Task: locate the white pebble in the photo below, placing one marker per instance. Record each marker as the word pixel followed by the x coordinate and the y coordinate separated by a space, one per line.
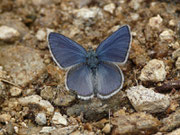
pixel 8 33
pixel 154 71
pixel 176 54
pixel 107 128
pixel 155 22
pixel 41 35
pixel 134 16
pixel 110 8
pixel 36 99
pixel 47 129
pixel 86 13
pixel 172 22
pixel 178 63
pixel 16 129
pixel 167 35
pixel 135 4
pixel 41 119
pixel 15 91
pixel 145 99
pixel 59 119
pixel 5 117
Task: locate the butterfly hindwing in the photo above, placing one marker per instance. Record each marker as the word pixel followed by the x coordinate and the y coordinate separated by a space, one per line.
pixel 116 47
pixel 79 79
pixel 65 51
pixel 109 79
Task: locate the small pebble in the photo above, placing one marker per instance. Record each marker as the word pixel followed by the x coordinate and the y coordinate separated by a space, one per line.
pixel 36 99
pixel 135 4
pixel 134 124
pixel 8 34
pixel 154 71
pixel 178 63
pixel 134 16
pixel 172 23
pixel 176 54
pixel 174 132
pixel 5 117
pixel 171 122
pixel 107 129
pixel 110 8
pixel 86 13
pixel 47 129
pixel 47 93
pixel 167 35
pixel 41 2
pixel 59 119
pixel 16 129
pixel 41 35
pixel 15 91
pixel 155 22
pixel 145 99
pixel 41 119
pixel 175 45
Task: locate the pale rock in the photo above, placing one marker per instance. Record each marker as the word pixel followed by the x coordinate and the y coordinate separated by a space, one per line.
pixel 114 28
pixel 167 35
pixel 41 2
pixel 175 45
pixel 47 93
pixel 15 91
pixel 36 99
pixel 135 4
pixel 134 16
pixel 86 13
pixel 172 23
pixel 134 124
pixel 178 63
pixel 5 117
pixel 171 122
pixel 110 8
pixel 41 118
pixel 176 54
pixel 154 71
pixel 65 130
pixel 59 119
pixel 107 128
pixel 2 72
pixel 175 132
pixel 145 99
pixel 8 33
pixel 47 129
pixel 155 22
pixel 16 129
pixel 41 35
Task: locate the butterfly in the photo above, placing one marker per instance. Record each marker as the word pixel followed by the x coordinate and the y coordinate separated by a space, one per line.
pixel 93 72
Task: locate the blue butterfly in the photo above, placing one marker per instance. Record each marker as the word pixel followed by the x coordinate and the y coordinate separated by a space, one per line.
pixel 92 73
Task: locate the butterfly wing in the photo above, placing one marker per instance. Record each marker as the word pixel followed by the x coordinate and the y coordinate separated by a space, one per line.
pixel 79 79
pixel 65 52
pixel 116 47
pixel 109 79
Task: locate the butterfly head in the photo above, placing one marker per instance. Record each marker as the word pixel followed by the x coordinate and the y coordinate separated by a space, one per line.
pixel 92 59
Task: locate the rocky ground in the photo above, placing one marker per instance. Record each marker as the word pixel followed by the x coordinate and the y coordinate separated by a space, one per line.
pixel 33 98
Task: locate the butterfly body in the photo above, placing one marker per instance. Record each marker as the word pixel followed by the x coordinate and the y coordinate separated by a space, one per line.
pixel 92 60
pixel 93 72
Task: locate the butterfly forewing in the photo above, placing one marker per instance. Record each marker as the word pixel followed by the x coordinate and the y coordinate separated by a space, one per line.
pixel 109 80
pixel 79 79
pixel 65 52
pixel 116 47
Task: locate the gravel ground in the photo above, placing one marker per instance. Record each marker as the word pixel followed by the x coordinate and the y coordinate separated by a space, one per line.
pixel 33 97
